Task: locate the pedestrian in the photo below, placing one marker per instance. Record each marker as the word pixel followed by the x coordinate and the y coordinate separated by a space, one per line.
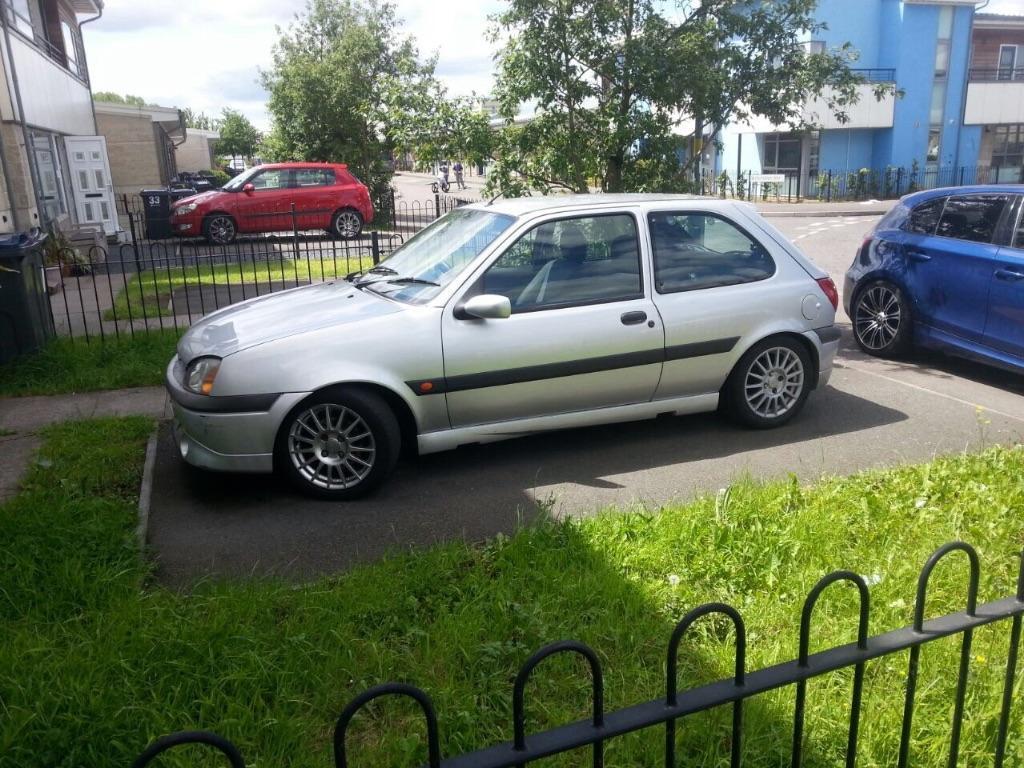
pixel 458 174
pixel 443 170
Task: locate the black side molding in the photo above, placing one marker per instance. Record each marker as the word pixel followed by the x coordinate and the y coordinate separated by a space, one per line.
pixel 829 334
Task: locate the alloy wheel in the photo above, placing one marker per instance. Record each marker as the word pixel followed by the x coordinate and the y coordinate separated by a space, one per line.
pixel 347 224
pixel 877 317
pixel 221 229
pixel 774 382
pixel 331 446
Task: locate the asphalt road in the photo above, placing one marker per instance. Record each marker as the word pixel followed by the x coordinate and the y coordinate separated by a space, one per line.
pixel 875 413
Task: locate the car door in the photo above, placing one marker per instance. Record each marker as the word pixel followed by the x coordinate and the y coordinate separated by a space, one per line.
pixel 313 197
pixel 714 283
pixel 267 207
pixel 1004 328
pixel 583 333
pixel 949 272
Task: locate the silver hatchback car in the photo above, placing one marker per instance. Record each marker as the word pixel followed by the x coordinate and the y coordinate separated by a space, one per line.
pixel 508 319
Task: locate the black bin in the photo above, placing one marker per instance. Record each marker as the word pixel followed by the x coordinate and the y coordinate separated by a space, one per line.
pixel 157 206
pixel 26 323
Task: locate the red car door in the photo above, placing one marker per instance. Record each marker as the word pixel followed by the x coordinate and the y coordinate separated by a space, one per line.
pixel 267 206
pixel 313 197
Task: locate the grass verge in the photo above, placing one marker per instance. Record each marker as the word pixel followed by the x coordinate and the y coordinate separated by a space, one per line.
pixel 76 365
pixel 151 293
pixel 95 661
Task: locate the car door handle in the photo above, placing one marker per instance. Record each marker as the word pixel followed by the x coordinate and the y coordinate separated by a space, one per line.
pixel 633 318
pixel 1009 274
pixel 918 255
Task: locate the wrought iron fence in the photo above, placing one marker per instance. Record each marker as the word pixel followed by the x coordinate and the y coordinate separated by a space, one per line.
pixel 675 705
pixel 169 282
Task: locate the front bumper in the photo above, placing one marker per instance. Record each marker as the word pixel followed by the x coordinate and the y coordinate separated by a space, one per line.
pixel 233 433
pixel 189 225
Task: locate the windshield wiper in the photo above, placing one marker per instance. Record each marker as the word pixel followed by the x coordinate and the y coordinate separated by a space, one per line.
pixel 412 281
pixel 379 269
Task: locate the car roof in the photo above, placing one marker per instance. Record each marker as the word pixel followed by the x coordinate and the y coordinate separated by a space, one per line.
pixel 301 164
pixel 525 206
pixel 972 189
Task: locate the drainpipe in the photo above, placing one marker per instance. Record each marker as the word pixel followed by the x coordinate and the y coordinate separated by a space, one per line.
pixel 92 104
pixel 21 115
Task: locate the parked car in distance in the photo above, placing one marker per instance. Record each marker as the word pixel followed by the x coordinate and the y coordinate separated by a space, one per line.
pixel 505 319
pixel 325 195
pixel 944 269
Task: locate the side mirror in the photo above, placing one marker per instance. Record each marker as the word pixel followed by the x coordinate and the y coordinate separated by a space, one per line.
pixel 248 188
pixel 486 307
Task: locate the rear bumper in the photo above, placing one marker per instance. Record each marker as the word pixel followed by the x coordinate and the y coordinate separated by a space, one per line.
pixel 827 342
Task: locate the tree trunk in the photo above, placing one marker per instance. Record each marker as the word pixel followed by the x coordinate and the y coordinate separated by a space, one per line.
pixel 613 174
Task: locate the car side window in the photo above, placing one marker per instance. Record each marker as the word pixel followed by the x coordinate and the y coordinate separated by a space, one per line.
pixel 313 177
pixel 585 260
pixel 971 217
pixel 1018 236
pixel 925 217
pixel 275 178
pixel 695 250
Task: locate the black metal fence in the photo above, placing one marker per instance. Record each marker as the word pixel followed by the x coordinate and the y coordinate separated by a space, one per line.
pixel 675 705
pixel 855 184
pixel 144 284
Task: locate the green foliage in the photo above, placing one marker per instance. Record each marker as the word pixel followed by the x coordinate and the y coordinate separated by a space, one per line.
pixel 336 70
pixel 238 136
pixel 74 365
pixel 621 86
pixel 422 119
pixel 200 120
pixel 219 177
pixel 97 660
pixel 110 97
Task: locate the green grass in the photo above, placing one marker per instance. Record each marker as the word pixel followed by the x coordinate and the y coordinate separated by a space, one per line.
pixel 77 365
pixel 148 293
pixel 96 660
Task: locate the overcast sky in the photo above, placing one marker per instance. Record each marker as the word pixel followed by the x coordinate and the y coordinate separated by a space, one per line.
pixel 206 54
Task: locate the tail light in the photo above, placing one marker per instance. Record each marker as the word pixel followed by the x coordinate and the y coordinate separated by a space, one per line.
pixel 829 289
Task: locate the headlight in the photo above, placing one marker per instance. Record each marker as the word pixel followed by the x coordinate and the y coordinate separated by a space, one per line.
pixel 181 210
pixel 201 373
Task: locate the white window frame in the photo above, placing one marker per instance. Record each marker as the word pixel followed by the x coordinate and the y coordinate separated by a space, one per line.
pixel 1012 69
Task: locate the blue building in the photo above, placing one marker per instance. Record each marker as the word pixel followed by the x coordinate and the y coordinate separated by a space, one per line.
pixel 960 74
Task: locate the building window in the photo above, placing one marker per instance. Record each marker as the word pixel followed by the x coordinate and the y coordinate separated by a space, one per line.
pixel 782 152
pixel 1008 153
pixel 937 108
pixel 73 54
pixel 19 15
pixel 815 46
pixel 1008 55
pixel 933 145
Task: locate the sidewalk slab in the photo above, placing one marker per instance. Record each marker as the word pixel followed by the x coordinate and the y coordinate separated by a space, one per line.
pixel 24 414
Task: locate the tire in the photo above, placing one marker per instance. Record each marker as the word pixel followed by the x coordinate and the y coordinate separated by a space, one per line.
pixel 770 383
pixel 219 229
pixel 882 319
pixel 312 450
pixel 346 224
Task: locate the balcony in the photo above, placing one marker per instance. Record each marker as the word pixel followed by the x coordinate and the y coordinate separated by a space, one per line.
pixel 52 97
pixel 995 96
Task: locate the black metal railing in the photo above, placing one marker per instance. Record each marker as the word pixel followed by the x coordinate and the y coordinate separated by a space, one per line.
pixel 876 74
pixel 107 291
pixel 996 74
pixel 596 730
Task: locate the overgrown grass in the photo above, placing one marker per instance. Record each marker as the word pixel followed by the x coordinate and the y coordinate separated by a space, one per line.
pixel 76 365
pixel 149 293
pixel 95 661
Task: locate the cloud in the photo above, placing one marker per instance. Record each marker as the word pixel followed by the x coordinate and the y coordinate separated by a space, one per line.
pixel 237 85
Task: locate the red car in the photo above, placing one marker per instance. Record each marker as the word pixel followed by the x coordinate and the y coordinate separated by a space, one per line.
pixel 326 196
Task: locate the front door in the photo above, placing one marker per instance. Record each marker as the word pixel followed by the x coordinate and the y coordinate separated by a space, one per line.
pixel 1004 329
pixel 583 333
pixel 950 272
pixel 90 181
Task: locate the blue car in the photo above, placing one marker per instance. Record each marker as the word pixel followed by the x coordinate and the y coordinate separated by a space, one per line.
pixel 944 269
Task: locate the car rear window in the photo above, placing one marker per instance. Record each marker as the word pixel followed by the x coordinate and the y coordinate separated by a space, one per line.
pixel 972 217
pixel 925 217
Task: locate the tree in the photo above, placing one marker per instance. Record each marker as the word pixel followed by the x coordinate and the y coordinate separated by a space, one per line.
pixel 622 88
pixel 237 135
pixel 333 84
pixel 116 98
pixel 200 120
pixel 434 127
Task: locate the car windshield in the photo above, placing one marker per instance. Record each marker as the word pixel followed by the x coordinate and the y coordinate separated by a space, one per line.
pixel 239 181
pixel 418 270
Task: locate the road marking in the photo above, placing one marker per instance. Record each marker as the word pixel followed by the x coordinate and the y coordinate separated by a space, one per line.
pixel 919 388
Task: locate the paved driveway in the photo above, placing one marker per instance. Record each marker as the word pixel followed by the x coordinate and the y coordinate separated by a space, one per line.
pixel 874 413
